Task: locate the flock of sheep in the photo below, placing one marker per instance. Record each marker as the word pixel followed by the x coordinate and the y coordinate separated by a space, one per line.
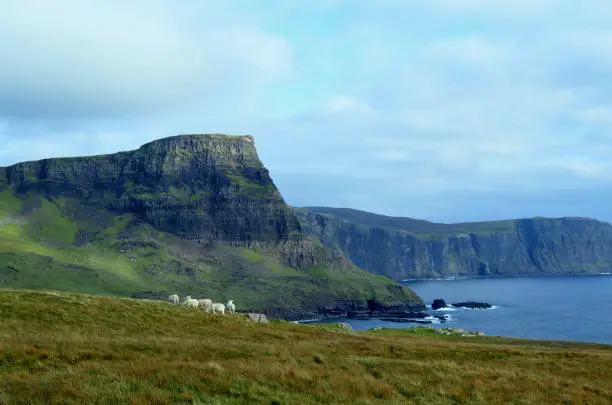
pixel 206 304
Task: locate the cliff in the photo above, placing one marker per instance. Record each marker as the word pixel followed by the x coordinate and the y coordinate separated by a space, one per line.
pixel 197 214
pixel 405 248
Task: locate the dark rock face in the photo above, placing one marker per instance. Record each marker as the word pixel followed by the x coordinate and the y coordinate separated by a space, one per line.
pixel 203 188
pixel 403 248
pixel 200 187
pixel 472 305
pixel 438 303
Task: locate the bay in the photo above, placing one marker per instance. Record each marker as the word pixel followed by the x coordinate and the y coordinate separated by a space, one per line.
pixel 577 308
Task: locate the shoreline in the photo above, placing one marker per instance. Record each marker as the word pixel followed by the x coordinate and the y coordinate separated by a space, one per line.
pixel 461 277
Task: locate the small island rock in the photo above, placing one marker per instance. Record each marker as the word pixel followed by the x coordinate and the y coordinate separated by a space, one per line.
pixel 472 305
pixel 438 303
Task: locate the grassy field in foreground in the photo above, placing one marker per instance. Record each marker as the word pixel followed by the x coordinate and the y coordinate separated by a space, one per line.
pixel 82 349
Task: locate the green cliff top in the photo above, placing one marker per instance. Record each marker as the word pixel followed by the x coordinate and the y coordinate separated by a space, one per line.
pixel 421 228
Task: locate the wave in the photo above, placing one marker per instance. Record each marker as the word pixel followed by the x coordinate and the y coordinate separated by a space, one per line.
pixel 433 320
pixel 444 309
pixel 480 309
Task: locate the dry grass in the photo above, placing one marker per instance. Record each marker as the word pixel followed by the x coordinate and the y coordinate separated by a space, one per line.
pixel 81 349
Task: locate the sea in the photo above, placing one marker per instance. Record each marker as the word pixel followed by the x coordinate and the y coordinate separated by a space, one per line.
pixel 575 308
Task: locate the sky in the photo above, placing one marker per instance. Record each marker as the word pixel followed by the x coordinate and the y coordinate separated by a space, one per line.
pixel 445 110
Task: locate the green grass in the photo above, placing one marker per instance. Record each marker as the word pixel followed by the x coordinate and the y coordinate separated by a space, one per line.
pixel 250 255
pixel 9 204
pixel 47 223
pixel 76 349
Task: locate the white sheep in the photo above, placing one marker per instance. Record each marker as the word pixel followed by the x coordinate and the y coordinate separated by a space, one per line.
pixel 187 298
pixel 191 303
pixel 218 307
pixel 230 307
pixel 173 299
pixel 206 304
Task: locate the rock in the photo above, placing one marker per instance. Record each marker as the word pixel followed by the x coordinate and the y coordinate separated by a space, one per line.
pixel 261 318
pixel 345 325
pixel 438 303
pixel 406 320
pixel 472 305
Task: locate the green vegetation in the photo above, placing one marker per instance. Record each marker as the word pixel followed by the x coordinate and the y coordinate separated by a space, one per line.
pixel 250 188
pixel 8 204
pixel 423 229
pixel 75 349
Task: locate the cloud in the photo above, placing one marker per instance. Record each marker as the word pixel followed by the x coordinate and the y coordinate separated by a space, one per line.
pixel 73 59
pixel 447 110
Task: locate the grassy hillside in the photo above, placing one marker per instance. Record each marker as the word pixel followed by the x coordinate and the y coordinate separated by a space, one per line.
pixel 75 349
pixel 65 246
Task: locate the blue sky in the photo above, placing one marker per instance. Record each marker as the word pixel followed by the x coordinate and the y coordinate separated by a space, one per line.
pixel 447 110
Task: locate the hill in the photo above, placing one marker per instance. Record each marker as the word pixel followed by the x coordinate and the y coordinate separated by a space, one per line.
pixel 406 248
pixel 191 214
pixel 75 349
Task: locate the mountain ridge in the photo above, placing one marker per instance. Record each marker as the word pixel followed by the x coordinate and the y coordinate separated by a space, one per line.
pixel 405 248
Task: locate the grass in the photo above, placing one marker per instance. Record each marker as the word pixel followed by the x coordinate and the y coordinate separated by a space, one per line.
pixel 8 204
pixel 75 349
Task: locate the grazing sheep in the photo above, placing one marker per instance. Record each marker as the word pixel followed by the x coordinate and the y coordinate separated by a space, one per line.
pixel 173 299
pixel 191 303
pixel 219 308
pixel 187 298
pixel 206 304
pixel 230 307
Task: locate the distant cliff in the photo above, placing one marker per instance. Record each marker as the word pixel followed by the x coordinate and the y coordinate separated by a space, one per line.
pixel 193 214
pixel 404 248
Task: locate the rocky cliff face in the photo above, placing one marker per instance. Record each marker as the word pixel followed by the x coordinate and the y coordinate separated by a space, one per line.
pixel 403 248
pixel 203 188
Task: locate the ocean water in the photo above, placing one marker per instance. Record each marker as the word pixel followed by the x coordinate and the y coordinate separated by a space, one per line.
pixel 577 308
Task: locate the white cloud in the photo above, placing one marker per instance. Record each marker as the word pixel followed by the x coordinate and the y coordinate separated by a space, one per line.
pixel 411 102
pixel 70 57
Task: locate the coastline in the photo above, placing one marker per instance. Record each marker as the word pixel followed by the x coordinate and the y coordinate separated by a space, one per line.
pixel 494 276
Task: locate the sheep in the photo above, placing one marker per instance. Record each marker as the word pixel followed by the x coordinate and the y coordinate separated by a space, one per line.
pixel 187 298
pixel 173 299
pixel 191 303
pixel 218 307
pixel 230 307
pixel 206 304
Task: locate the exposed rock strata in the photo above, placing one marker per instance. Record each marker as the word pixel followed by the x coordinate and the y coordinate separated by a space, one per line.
pixel 403 248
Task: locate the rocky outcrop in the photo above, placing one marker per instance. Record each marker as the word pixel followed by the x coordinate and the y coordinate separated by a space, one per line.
pixel 203 188
pixel 404 248
pixel 438 303
pixel 257 318
pixel 472 305
pixel 200 187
